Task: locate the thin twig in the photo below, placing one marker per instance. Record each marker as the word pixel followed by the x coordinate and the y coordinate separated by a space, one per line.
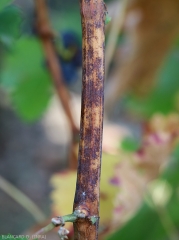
pixel 60 221
pixel 46 229
pixel 22 199
pixel 46 35
pixel 91 129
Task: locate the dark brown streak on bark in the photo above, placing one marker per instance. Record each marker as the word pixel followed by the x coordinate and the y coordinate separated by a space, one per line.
pixel 46 35
pixel 91 128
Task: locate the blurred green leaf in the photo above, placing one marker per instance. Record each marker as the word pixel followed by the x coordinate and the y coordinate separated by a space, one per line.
pixel 10 19
pixel 4 3
pixel 130 144
pixel 31 96
pixel 176 152
pixel 140 226
pixel 26 79
pixel 164 96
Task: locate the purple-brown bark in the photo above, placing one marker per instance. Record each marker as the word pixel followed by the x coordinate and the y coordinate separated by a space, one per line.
pixel 91 128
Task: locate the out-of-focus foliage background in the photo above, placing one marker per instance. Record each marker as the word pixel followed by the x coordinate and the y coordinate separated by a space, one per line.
pixel 140 167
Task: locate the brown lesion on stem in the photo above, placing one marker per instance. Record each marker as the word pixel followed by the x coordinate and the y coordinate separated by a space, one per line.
pixel 46 36
pixel 91 128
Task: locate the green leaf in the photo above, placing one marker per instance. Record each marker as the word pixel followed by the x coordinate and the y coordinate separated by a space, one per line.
pixel 4 3
pixel 26 79
pixel 10 19
pixel 164 97
pixel 139 227
pixel 31 96
pixel 130 144
pixel 176 152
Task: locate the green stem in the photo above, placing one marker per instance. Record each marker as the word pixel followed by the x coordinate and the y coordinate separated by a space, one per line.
pixel 56 222
pixel 70 218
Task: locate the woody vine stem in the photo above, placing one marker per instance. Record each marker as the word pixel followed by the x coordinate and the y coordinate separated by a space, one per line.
pixel 91 128
pixel 86 203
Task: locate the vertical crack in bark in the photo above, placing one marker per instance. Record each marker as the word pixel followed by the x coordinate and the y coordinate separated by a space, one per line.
pixel 91 128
